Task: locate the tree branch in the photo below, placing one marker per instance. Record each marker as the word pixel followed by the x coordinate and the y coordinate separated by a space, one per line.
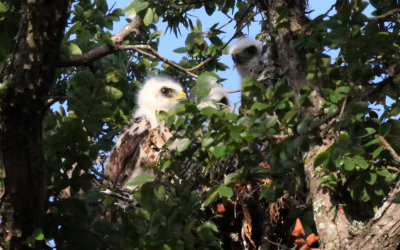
pixel 389 13
pixel 132 27
pixel 102 50
pixel 388 147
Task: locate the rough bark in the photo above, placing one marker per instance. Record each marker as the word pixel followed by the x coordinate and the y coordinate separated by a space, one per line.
pixel 333 224
pixel 22 102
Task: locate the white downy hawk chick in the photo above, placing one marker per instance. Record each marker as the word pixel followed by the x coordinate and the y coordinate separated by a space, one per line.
pixel 217 95
pixel 137 149
pixel 248 58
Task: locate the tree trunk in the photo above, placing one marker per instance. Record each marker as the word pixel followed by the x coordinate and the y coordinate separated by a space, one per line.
pixel 333 225
pixel 23 98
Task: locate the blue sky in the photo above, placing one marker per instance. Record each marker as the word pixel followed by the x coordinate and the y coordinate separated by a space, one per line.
pixel 168 41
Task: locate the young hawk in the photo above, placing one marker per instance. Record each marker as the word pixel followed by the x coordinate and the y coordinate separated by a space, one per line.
pixel 251 62
pixel 138 147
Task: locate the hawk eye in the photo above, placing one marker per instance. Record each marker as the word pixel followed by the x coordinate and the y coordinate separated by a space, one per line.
pixel 165 91
pixel 252 50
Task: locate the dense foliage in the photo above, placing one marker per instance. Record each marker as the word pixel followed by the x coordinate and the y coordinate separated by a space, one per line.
pixel 229 169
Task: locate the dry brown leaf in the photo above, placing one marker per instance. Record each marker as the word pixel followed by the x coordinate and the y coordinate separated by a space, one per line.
pixel 246 225
pixel 304 247
pixel 220 208
pixel 300 241
pixel 311 239
pixel 298 229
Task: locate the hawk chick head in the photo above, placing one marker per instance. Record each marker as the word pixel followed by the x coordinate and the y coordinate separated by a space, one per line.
pixel 217 94
pixel 158 93
pixel 247 55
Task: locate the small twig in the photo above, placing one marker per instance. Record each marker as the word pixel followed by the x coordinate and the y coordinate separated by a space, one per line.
pixel 393 169
pixel 275 243
pixel 129 62
pixel 145 53
pixel 389 13
pixel 279 123
pixel 233 91
pixel 99 174
pixel 226 44
pixel 388 147
pixel 279 137
pixel 119 196
pixel 329 10
pixel 173 64
pixel 342 109
pixel 202 63
pixel 235 104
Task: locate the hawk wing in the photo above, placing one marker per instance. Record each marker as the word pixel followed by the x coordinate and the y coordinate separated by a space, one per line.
pixel 126 151
pixel 136 152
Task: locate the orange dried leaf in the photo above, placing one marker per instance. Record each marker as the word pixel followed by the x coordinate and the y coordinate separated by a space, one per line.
pixel 300 241
pixel 220 208
pixel 311 239
pixel 298 229
pixel 304 247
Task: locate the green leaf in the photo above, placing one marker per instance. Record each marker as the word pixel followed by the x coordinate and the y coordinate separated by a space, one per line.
pixel 219 150
pixel 377 151
pixel 140 180
pixel 148 18
pixel 74 49
pixel 4 6
pixel 359 161
pixel 40 237
pixel 203 83
pixel 349 164
pixel 113 93
pixel 160 193
pixel 181 50
pixel 305 125
pixel 230 178
pixel 259 106
pixel 225 191
pixel 372 142
pixel 246 121
pixel 212 196
pixel 384 129
pixel 155 35
pixel 322 158
pixel 192 39
pixel 135 7
pixel 166 247
pixel 372 178
pixel 207 142
pixel 370 131
pixel 216 41
pixel 183 144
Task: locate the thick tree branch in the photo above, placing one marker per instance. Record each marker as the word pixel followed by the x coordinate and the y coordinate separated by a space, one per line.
pixel 132 27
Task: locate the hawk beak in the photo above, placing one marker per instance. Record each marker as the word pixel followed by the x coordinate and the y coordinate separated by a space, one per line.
pixel 237 57
pixel 181 96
